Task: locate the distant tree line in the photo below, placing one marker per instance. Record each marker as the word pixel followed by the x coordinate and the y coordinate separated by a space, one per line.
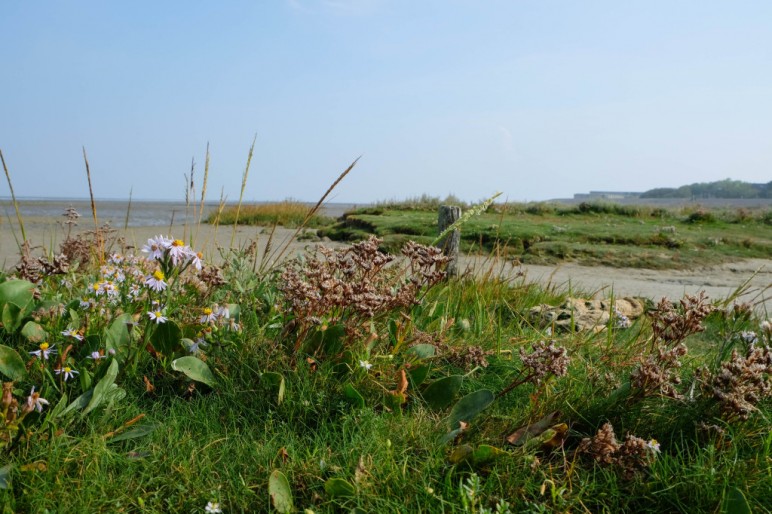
pixel 722 189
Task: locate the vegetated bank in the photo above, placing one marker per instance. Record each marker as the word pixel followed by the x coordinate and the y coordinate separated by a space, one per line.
pixel 587 233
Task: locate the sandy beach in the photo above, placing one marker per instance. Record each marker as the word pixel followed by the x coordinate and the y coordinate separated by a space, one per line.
pixel 718 282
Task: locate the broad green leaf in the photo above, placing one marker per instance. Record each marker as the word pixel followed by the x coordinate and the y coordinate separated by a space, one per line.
pixel 735 502
pixel 166 338
pixel 117 334
pixel 470 406
pixel 485 453
pixel 275 380
pixel 418 374
pixel 441 393
pixel 195 369
pixel 280 492
pixel 353 396
pixel 134 433
pixel 422 351
pixel 11 317
pixel 11 363
pixel 34 332
pixel 338 487
pixel 18 292
pixel 78 403
pixel 102 387
pixel 5 476
pixel 461 454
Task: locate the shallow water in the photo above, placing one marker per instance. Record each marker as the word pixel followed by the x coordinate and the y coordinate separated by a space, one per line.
pixel 141 213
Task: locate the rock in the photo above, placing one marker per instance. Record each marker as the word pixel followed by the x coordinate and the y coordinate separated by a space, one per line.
pixel 585 314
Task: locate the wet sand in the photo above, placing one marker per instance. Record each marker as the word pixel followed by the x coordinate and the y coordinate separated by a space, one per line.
pixel 718 282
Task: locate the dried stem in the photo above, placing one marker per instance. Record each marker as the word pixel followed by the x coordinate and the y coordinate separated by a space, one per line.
pixel 13 198
pixel 243 187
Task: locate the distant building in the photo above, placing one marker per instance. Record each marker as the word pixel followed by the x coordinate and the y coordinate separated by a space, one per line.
pixel 606 195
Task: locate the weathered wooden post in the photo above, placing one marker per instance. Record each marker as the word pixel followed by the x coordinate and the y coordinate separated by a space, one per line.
pixel 449 214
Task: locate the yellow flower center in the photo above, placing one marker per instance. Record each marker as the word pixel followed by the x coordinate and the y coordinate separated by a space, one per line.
pixel 207 311
pixel 158 274
pixel 199 255
pixel 67 369
pixel 178 242
pixel 96 286
pixel 44 346
pixel 158 314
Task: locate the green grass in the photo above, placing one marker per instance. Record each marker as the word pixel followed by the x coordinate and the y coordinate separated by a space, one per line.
pixel 222 443
pixel 288 213
pixel 589 234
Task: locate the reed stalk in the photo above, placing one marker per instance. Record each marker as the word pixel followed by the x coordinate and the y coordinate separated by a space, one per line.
pixel 279 252
pixel 15 203
pixel 189 193
pixel 203 194
pixel 128 211
pixel 97 234
pixel 243 187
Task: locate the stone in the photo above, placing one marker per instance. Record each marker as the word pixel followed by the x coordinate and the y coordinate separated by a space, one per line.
pixel 585 314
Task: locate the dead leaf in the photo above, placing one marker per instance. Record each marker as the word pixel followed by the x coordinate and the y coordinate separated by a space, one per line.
pixel 312 364
pixel 283 455
pixel 401 382
pixel 522 434
pixel 149 387
pixel 34 466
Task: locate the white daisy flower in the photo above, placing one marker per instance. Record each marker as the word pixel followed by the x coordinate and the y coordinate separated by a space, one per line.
pixel 157 316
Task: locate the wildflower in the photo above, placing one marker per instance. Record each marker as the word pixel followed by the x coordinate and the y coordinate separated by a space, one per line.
pixel 212 508
pixel 223 312
pixel 72 333
pixel 95 355
pixel 621 321
pixel 67 371
pixel 178 251
pixel 157 316
pixel 195 347
pixel 653 445
pixel 156 281
pixel 84 304
pixel 208 317
pixel 364 364
pixel 156 247
pixel 35 402
pixel 196 260
pixel 43 351
pixel 749 337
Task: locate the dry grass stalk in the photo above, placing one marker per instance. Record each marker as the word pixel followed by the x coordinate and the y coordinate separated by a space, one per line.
pixel 243 187
pixel 15 203
pixel 279 253
pixel 203 195
pixel 98 239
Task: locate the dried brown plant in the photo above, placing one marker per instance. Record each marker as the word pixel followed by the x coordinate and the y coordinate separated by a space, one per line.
pixel 671 324
pixel 741 382
pixel 546 359
pixel 632 456
pixel 658 374
pixel 357 283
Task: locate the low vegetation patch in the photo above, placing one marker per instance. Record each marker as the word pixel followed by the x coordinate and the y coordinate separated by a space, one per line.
pixel 590 234
pixel 354 380
pixel 290 214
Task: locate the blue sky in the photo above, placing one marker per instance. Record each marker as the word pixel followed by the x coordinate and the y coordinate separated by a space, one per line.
pixel 538 99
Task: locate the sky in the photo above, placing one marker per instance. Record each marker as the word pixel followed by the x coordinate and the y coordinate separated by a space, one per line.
pixel 537 99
